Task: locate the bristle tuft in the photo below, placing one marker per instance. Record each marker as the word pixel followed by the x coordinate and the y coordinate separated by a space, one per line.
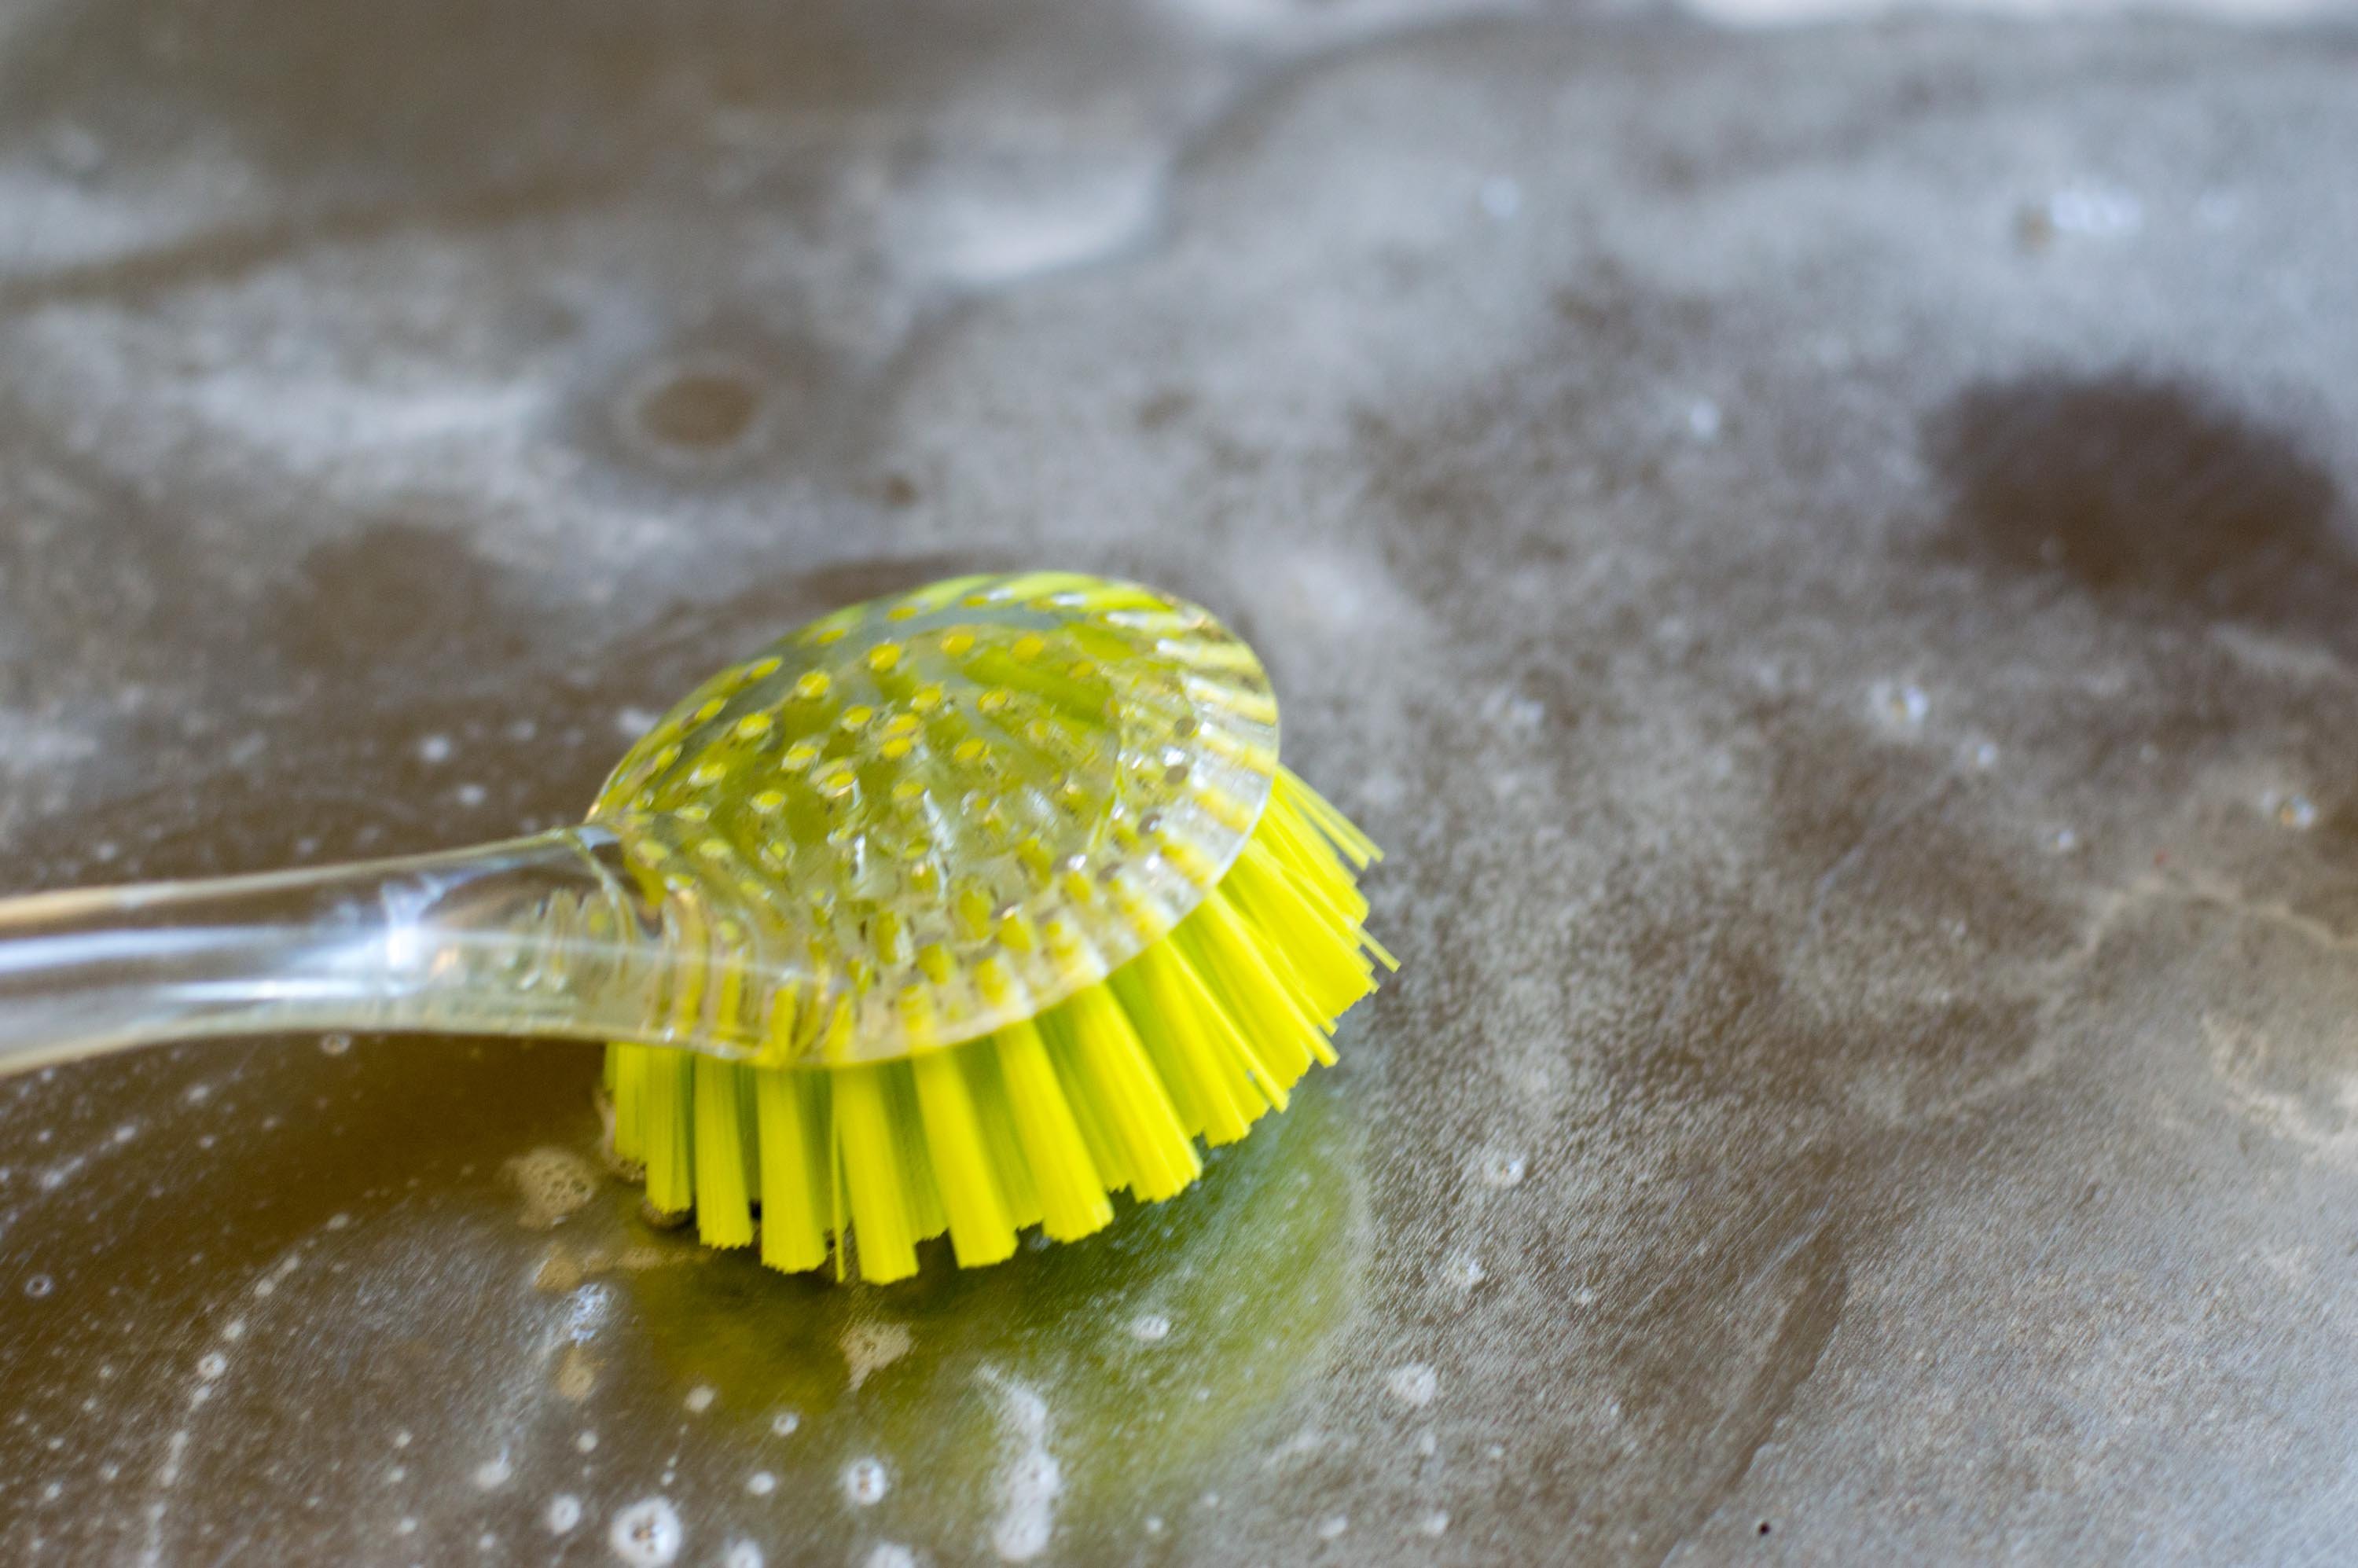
pixel 1197 1036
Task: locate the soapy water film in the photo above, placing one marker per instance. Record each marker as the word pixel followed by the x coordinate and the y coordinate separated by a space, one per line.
pixel 1793 852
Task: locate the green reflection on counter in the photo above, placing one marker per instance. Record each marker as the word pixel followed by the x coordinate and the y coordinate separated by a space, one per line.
pixel 1088 1382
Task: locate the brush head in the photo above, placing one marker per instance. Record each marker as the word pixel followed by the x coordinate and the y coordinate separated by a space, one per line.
pixel 1005 881
pixel 953 809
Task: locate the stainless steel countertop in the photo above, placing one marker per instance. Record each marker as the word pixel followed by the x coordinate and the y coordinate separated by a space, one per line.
pixel 1826 554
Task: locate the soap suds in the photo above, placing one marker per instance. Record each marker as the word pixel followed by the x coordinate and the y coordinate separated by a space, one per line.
pixel 869 1348
pixel 1030 1480
pixel 554 1184
pixel 1414 1384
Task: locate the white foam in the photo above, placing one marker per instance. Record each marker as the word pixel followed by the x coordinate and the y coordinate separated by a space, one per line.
pixel 869 1348
pixel 1031 1480
pixel 1414 1384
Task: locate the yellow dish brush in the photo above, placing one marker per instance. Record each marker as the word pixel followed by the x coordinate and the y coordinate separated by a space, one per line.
pixel 956 911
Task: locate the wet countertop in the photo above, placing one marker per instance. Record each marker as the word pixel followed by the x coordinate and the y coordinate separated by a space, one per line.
pixel 1827 554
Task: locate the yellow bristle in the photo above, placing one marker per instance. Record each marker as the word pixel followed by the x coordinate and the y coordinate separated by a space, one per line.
pixel 1345 834
pixel 1195 1043
pixel 1222 946
pixel 797 1198
pixel 626 1079
pixel 668 1127
pixel 724 1204
pixel 1003 1143
pixel 1319 950
pixel 871 1151
pixel 1108 1156
pixel 1072 1190
pixel 1197 1036
pixel 1098 1051
pixel 927 1218
pixel 1312 863
pixel 980 1230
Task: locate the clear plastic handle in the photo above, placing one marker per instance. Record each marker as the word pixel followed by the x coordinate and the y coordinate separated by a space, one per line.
pixel 546 935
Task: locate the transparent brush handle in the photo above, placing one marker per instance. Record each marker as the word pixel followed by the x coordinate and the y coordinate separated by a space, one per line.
pixel 545 936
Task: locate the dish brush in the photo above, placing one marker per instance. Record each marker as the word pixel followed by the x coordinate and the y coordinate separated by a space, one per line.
pixel 955 912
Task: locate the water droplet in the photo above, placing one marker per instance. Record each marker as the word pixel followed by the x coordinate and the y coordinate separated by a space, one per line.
pixel 212 1365
pixel 1435 1523
pixel 865 1482
pixel 1502 1170
pixel 493 1474
pixel 699 1399
pixel 434 749
pixel 1149 1328
pixel 761 1483
pixel 2096 211
pixel 741 1554
pixel 784 1423
pixel 2296 812
pixel 564 1513
pixel 1904 704
pixel 1332 1527
pixel 647 1534
pixel 39 1285
pixel 586 1442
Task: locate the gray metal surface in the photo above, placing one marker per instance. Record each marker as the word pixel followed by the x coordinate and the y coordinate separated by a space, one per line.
pixel 1827 556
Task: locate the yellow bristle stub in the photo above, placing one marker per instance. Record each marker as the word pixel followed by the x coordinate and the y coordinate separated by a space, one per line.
pixel 1054 914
